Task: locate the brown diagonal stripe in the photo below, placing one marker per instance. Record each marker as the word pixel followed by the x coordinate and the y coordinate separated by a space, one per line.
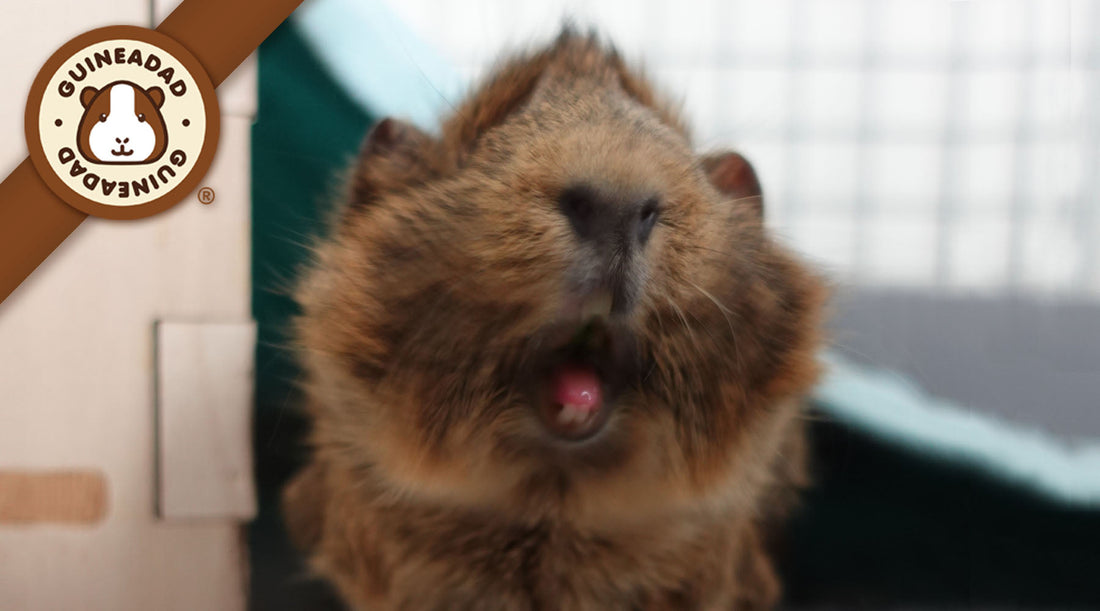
pixel 220 34
pixel 33 222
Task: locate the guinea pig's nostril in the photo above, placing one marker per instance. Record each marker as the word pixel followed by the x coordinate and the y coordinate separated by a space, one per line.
pixel 118 140
pixel 578 204
pixel 125 139
pixel 597 216
pixel 647 218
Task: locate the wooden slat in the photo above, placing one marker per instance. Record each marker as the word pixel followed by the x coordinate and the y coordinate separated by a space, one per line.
pixel 33 497
pixel 204 402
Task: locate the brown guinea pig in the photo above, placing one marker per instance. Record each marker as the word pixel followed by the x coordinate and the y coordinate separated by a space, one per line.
pixel 553 359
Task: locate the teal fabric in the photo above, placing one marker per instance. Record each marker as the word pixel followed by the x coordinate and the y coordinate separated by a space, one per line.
pixel 896 410
pixel 307 131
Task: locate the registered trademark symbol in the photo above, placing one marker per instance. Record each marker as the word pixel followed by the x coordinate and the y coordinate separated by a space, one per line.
pixel 206 195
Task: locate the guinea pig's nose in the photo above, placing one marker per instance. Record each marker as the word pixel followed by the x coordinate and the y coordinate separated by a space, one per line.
pixel 595 216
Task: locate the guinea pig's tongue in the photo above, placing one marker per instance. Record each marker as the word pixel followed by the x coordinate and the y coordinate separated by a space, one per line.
pixel 578 395
pixel 577 386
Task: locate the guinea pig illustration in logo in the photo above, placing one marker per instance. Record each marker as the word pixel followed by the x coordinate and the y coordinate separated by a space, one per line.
pixel 122 124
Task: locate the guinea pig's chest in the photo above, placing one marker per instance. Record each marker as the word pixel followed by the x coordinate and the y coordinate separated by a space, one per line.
pixel 551 565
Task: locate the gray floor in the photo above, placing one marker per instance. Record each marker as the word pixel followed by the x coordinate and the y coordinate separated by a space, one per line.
pixel 1031 361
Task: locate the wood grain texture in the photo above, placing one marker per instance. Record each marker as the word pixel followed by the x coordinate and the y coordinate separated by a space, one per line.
pixel 73 497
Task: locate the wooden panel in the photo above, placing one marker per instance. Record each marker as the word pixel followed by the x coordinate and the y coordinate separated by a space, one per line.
pixel 207 247
pixel 76 338
pixel 123 565
pixel 28 497
pixel 204 391
pixel 77 360
pixel 237 94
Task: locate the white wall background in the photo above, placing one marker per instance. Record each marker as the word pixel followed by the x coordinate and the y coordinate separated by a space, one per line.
pixel 943 144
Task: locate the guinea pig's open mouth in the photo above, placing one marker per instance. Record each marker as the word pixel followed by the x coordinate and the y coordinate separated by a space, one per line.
pixel 581 381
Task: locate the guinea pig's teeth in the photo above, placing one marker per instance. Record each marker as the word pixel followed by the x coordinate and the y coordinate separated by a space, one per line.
pixel 596 306
pixel 570 414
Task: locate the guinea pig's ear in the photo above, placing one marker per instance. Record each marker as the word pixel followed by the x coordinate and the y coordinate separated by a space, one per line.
pixel 156 94
pixel 734 177
pixel 86 95
pixel 393 154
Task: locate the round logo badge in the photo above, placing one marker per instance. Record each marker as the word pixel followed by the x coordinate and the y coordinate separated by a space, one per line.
pixel 122 122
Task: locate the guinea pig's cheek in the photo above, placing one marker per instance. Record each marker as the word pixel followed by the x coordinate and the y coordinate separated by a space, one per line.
pixel 100 141
pixel 143 140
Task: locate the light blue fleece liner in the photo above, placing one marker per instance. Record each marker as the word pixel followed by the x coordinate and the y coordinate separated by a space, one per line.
pixel 891 407
pixel 379 61
pixel 388 71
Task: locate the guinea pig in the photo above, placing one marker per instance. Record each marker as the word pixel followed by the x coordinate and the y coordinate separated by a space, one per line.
pixel 122 124
pixel 553 359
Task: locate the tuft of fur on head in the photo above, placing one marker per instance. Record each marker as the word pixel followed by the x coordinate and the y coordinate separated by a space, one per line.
pixel 450 276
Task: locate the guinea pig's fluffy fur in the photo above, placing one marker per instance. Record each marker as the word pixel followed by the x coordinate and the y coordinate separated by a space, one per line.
pixel 452 283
